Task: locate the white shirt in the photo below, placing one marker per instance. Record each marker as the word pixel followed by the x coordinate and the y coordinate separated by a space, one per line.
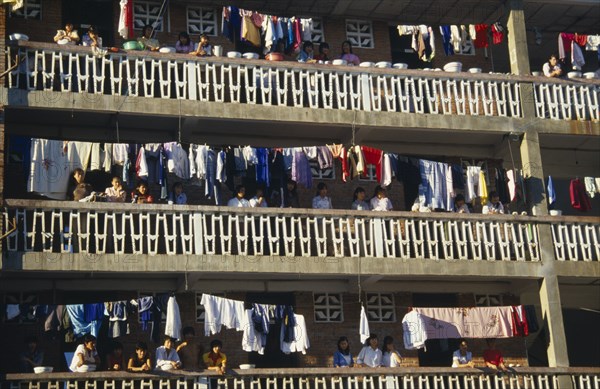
pixel 383 204
pixel 165 357
pixel 173 322
pixel 321 202
pixel 88 357
pixel 459 359
pixel 369 357
pixel 235 202
pixel 547 70
pixel 493 208
pixel 254 203
pixel 388 361
pixel 300 342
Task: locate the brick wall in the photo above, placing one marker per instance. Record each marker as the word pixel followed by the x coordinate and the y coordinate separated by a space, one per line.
pixel 39 30
pixel 3 35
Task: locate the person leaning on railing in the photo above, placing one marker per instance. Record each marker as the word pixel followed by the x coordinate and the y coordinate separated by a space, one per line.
pixel 462 357
pixel 370 355
pixel 204 47
pixel 493 357
pixel 214 359
pixel 342 357
pixel 140 360
pixel 552 68
pixel 68 36
pixel 149 43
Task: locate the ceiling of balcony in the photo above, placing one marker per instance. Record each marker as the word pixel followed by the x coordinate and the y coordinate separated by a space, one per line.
pixel 581 16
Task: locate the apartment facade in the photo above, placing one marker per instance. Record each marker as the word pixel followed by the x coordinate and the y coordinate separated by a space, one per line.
pixel 324 263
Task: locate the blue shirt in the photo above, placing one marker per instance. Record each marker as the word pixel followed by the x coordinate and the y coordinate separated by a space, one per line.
pixel 339 360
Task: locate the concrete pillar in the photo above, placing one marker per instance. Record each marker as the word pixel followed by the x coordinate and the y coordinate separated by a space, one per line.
pixel 553 320
pixel 517 38
pixel 531 159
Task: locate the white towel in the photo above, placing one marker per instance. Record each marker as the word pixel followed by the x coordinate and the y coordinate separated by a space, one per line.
pixel 173 324
pixel 364 325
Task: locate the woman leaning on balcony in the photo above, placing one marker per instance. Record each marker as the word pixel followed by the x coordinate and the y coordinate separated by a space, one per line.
pixel 146 39
pixel 348 55
pixel 68 36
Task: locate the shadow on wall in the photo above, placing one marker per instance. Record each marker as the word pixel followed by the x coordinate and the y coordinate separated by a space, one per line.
pixel 563 200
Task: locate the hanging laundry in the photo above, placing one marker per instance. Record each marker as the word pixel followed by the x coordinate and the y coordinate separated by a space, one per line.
pixel 250 31
pixel 307 29
pixel 177 160
pixel 262 167
pixel 301 172
pixel 300 343
pixel 446 40
pixel 373 157
pixel 125 26
pixel 325 157
pixel 141 165
pixel 592 42
pixel 577 58
pixel 519 321
pixel 551 192
pixel 483 192
pixel 497 33
pixel 579 198
pixel 406 30
pixel 429 42
pixel 590 186
pixel 481 36
pixel 49 171
pixel 173 322
pixel 117 317
pixel 414 332
pixel 387 171
pixel 356 162
pixel 363 327
pixel 80 325
pixel 455 38
pixel 472 188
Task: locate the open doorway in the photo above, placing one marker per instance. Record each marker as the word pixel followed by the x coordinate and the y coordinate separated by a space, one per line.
pixel 402 51
pixel 273 356
pixel 439 351
pixel 86 13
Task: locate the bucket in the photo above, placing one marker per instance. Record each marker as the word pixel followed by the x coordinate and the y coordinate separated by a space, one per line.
pixel 218 51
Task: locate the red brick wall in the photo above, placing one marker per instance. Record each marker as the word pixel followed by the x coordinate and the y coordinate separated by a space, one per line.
pixel 39 30
pixel 3 36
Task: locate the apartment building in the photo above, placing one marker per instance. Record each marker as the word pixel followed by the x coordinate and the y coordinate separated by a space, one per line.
pixel 325 263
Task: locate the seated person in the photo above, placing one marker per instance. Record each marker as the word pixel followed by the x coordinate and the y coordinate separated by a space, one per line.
pixel 177 195
pixel 494 206
pixel 359 203
pixel 142 194
pixel 189 350
pixel 380 201
pixel 307 53
pixel 68 36
pixel 215 359
pixel 114 360
pixel 552 68
pixel 115 193
pixel 370 355
pixel 81 189
pixel 459 204
pixel 91 38
pixel 347 54
pixel 321 200
pixel 184 44
pixel 86 356
pixel 462 357
pixel 493 357
pixel 239 200
pixel 390 356
pixel 32 356
pixel 140 360
pixel 146 39
pixel 204 48
pixel 259 200
pixel 324 53
pixel 342 357
pixel 166 356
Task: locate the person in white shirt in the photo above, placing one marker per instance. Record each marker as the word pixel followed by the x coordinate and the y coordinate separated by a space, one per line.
pixel 239 200
pixel 115 193
pixel 390 357
pixel 462 357
pixel 552 68
pixel 494 206
pixel 359 203
pixel 166 356
pixel 321 200
pixel 380 201
pixel 86 356
pixel 259 200
pixel 370 355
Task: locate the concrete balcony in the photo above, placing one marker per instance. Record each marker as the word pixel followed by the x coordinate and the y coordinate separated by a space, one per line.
pixel 157 91
pixel 303 378
pixel 103 237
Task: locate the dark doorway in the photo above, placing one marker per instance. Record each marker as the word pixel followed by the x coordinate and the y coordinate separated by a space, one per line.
pixel 439 351
pixel 403 52
pixel 273 356
pixel 85 13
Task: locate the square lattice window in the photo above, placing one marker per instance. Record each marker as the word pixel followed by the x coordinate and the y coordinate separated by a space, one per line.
pixel 360 33
pixel 150 13
pixel 31 9
pixel 328 307
pixel 321 174
pixel 318 34
pixel 370 174
pixel 381 308
pixel 488 300
pixel 202 21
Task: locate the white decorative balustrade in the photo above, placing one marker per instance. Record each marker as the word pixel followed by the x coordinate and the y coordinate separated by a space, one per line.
pixel 99 228
pixel 175 76
pixel 576 241
pixel 567 101
pixel 318 378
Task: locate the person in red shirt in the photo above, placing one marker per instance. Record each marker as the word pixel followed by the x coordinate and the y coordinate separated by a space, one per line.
pixel 493 357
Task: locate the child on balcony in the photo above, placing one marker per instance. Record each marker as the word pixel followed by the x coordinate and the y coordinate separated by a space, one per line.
pixel 359 203
pixel 115 193
pixel 347 54
pixel 140 361
pixel 204 48
pixel 259 200
pixel 92 39
pixel 342 357
pixel 166 356
pixel 380 201
pixel 494 206
pixel 184 45
pixel 459 204
pixel 321 200
pixel 177 195
pixel 142 194
pixel 146 39
pixel 239 200
pixel 215 359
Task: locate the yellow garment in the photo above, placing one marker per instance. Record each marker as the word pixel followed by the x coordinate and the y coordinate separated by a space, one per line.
pixel 483 192
pixel 250 32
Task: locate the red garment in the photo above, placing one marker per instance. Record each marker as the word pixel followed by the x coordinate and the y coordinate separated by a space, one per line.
pixel 519 321
pixel 373 157
pixel 481 36
pixel 579 197
pixel 493 356
pixel 497 33
pixel 581 40
pixel 564 44
pixel 297 29
pixel 129 19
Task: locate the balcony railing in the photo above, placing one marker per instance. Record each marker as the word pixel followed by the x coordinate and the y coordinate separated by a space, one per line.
pixel 321 378
pixel 99 228
pixel 288 84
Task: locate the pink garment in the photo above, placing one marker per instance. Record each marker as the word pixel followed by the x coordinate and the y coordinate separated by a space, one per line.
pixel 479 322
pixel 297 34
